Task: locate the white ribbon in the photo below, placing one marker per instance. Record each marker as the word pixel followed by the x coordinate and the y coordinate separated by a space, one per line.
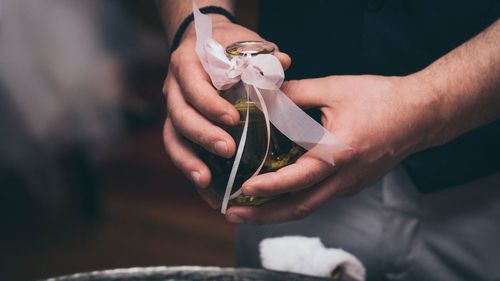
pixel 262 76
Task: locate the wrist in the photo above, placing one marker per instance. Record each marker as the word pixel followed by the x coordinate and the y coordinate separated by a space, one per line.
pixel 430 109
pixel 217 20
pixel 218 15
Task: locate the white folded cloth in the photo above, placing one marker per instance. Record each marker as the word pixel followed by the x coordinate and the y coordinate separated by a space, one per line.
pixel 307 255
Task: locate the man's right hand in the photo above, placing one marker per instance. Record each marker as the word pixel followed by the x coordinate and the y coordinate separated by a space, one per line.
pixel 195 109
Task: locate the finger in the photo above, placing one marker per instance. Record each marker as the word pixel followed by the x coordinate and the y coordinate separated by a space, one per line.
pixel 284 59
pixel 306 172
pixel 184 157
pixel 210 197
pixel 308 93
pixel 192 125
pixel 198 91
pixel 295 206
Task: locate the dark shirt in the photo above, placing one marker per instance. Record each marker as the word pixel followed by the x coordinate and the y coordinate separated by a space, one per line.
pixel 389 37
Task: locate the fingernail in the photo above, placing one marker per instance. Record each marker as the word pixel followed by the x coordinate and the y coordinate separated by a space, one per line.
pixel 227 119
pixel 212 203
pixel 220 147
pixel 195 176
pixel 234 218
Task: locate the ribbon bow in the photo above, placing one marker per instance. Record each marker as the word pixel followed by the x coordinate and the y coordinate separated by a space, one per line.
pixel 262 76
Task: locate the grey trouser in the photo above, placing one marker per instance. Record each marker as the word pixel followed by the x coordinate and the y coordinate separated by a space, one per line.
pixel 401 234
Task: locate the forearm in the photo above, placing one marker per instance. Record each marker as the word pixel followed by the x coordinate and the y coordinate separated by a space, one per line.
pixel 174 12
pixel 464 86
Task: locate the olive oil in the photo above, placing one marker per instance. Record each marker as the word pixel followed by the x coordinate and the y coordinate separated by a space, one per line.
pixel 282 152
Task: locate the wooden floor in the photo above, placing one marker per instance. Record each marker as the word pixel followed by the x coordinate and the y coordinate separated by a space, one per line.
pixel 151 216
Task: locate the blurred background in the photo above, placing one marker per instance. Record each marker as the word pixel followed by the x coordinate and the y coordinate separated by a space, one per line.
pixel 85 183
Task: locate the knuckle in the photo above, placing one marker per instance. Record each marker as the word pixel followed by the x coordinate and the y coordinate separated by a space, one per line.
pixel 177 63
pixel 274 185
pixel 170 102
pixel 179 120
pixel 199 97
pixel 185 72
pixel 170 152
pixel 164 89
pixel 183 117
pixel 173 113
pixel 179 115
pixel 216 106
pixel 310 178
pixel 199 137
pixel 175 57
pixel 301 211
pixel 166 86
pixel 175 160
pixel 291 86
pixel 167 137
pixel 203 137
pixel 172 155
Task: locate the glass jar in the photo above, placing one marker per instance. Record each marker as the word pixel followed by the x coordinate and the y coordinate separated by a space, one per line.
pixel 282 151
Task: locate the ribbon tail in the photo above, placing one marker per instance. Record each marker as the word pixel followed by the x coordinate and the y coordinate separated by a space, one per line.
pixel 299 127
pixel 211 54
pixel 236 165
pixel 264 110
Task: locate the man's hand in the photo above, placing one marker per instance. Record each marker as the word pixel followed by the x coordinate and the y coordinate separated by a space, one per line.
pixel 383 119
pixel 195 108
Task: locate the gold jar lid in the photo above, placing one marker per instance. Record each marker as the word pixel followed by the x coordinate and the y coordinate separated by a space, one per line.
pixel 251 48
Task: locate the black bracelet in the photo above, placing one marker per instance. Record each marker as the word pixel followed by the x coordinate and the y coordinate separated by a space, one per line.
pixel 185 23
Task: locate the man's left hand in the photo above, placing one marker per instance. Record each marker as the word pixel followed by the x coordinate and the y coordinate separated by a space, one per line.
pixel 383 119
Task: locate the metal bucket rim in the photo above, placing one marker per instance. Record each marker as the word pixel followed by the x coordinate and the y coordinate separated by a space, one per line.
pixel 144 271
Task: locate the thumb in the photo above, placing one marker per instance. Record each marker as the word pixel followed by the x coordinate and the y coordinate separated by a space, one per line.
pixel 284 59
pixel 307 93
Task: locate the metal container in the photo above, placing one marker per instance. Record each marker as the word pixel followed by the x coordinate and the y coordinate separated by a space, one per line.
pixel 186 273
